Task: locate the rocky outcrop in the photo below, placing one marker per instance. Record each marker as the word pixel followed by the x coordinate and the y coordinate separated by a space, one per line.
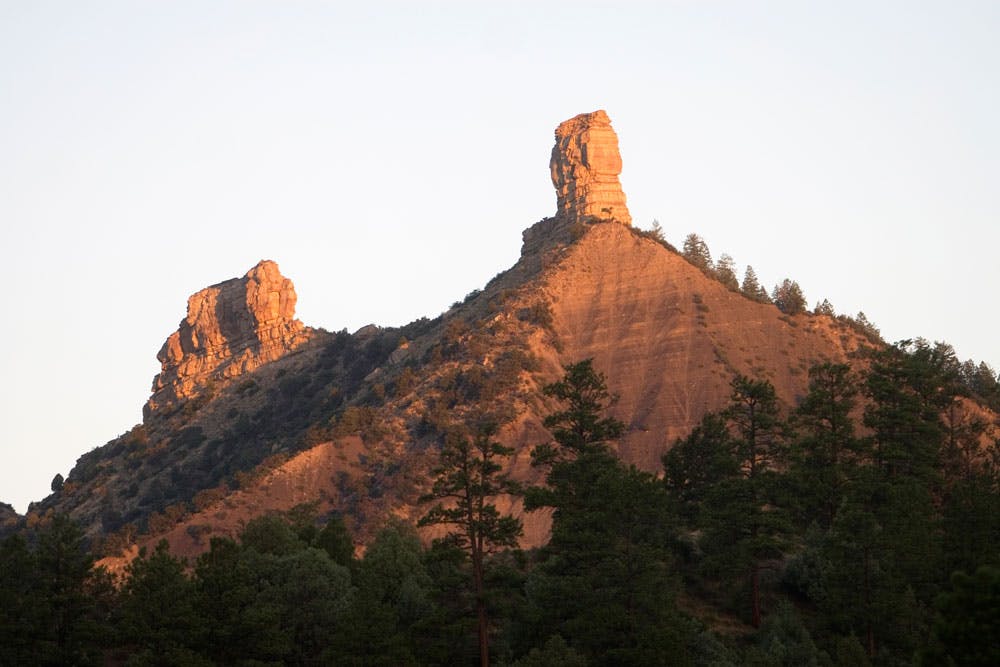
pixel 585 165
pixel 231 328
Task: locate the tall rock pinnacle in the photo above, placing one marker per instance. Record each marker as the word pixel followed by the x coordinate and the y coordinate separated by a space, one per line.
pixel 231 328
pixel 585 165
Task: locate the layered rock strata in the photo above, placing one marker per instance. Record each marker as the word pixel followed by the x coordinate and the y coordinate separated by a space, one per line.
pixel 231 328
pixel 585 165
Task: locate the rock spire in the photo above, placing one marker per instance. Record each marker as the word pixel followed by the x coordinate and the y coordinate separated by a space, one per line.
pixel 231 328
pixel 585 165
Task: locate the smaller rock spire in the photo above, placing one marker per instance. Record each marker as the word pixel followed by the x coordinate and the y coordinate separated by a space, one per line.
pixel 585 165
pixel 231 328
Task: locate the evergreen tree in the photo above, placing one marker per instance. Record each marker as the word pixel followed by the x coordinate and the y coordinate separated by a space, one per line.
pixel 826 449
pixel 21 602
pixel 55 607
pixel 64 567
pixel 312 594
pixel 694 465
pixel 555 653
pixel 604 583
pixel 744 527
pixel 337 542
pixel 270 534
pixel 725 272
pixel 909 385
pixel 970 500
pixel 751 287
pixel 824 307
pixel 391 601
pixel 867 327
pixel 695 251
pixel 468 477
pixel 969 623
pixel 237 627
pixel 580 427
pixel 856 572
pixel 884 547
pixel 158 613
pixel 655 232
pixel 982 382
pixel 270 598
pixel 788 297
pixel 784 641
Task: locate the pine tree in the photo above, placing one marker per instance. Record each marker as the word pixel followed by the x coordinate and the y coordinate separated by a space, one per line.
pixel 751 287
pixel 824 307
pixel 826 449
pixel 21 604
pixel 158 610
pixel 392 600
pixel 694 465
pixel 604 583
pixel 336 541
pixel 743 526
pixel 909 385
pixel 64 570
pixel 883 549
pixel 695 250
pixel 788 297
pixel 969 622
pixel 467 478
pixel 725 272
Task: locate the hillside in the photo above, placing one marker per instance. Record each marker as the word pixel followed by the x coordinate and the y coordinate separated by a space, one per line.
pixel 248 395
pixel 668 337
pixel 714 480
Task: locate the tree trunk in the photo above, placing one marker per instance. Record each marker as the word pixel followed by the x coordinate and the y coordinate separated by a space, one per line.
pixel 482 625
pixel 869 633
pixel 755 595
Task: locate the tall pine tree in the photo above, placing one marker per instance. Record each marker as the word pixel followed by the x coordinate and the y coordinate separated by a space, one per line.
pixel 468 477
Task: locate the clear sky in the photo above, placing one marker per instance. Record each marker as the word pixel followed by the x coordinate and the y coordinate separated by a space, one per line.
pixel 388 156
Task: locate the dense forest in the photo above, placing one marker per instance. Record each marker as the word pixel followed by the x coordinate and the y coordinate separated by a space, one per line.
pixel 860 528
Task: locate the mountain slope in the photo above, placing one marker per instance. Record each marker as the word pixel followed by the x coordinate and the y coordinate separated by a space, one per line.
pixel 247 393
pixel 668 337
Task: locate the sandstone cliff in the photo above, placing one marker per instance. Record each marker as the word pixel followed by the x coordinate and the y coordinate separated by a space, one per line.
pixel 231 328
pixel 585 165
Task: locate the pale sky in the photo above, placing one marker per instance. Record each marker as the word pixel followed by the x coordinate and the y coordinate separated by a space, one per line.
pixel 388 156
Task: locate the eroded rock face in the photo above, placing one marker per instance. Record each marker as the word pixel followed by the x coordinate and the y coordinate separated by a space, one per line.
pixel 585 165
pixel 231 328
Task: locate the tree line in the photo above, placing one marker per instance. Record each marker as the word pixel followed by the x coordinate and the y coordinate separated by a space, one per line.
pixel 859 528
